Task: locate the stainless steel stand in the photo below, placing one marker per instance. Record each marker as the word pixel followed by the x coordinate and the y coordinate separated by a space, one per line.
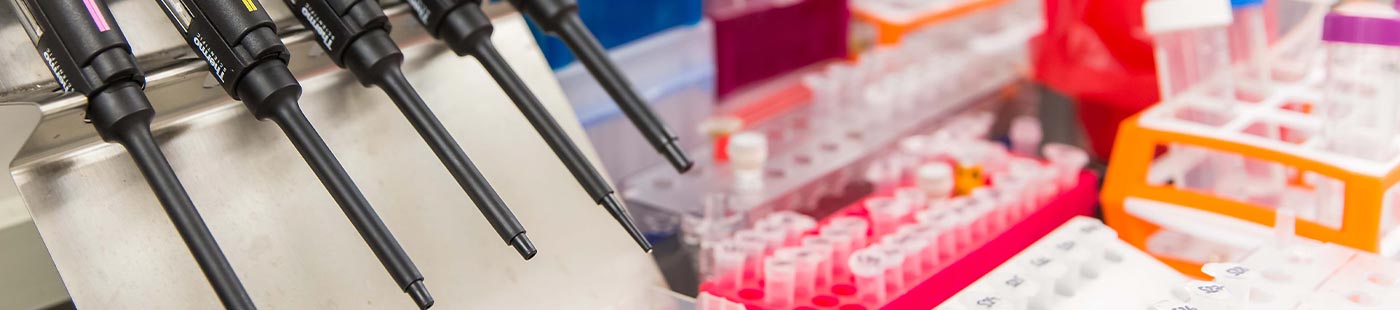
pixel 290 244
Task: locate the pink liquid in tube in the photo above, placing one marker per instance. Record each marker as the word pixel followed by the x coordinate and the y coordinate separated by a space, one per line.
pixel 729 259
pixel 842 245
pixel 824 247
pixel 780 276
pixel 894 268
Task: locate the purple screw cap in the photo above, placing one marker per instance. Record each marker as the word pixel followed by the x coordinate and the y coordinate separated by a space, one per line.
pixel 1338 27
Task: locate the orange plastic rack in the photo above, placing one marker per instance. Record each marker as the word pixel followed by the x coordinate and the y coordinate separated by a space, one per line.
pixel 890 29
pixel 1140 139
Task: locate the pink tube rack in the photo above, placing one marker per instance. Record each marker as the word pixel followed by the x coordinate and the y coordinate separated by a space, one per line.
pixel 951 254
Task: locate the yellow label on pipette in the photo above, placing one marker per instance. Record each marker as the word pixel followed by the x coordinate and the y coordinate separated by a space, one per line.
pixel 252 5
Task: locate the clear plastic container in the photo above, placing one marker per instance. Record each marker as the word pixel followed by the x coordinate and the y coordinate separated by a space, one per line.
pixel 1249 44
pixel 1359 107
pixel 1193 56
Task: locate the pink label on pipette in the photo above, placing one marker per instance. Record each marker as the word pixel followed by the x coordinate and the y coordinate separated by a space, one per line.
pixel 97 17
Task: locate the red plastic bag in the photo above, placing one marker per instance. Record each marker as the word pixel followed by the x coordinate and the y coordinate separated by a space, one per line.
pixel 1097 52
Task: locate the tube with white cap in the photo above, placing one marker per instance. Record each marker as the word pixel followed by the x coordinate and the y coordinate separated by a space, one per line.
pixel 748 152
pixel 935 179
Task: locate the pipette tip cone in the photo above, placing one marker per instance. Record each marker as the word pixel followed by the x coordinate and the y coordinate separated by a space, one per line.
pixel 677 157
pixel 615 208
pixel 523 245
pixel 420 295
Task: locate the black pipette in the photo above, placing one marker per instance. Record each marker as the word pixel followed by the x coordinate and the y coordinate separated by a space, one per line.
pixel 240 44
pixel 356 35
pixel 89 55
pixel 467 31
pixel 560 18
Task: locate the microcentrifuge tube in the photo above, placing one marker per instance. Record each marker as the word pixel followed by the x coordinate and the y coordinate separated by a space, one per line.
pixel 868 268
pixel 824 247
pixel 1011 200
pixel 947 225
pixel 748 152
pixel 915 249
pixel 1025 135
pixel 984 201
pixel 859 229
pixel 808 261
pixel 935 179
pixel 775 234
pixel 885 214
pixel 1068 161
pixel 796 224
pixel 930 258
pixel 779 275
pixel 729 259
pixel 842 245
pixel 965 218
pixel 894 267
pixel 916 198
pixel 755 247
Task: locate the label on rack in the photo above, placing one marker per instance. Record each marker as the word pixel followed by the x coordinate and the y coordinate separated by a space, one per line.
pixel 1174 305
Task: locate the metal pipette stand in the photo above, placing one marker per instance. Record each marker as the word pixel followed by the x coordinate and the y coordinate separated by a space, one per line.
pixel 261 202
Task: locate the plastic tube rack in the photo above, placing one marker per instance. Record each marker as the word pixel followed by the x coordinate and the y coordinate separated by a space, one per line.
pixel 903 248
pixel 1081 265
pixel 817 148
pixel 1339 199
pixel 1298 275
pixel 889 22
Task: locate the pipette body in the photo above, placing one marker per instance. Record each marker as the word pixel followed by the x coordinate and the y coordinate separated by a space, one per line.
pixel 560 18
pixel 356 35
pixel 467 30
pixel 246 56
pixel 89 55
